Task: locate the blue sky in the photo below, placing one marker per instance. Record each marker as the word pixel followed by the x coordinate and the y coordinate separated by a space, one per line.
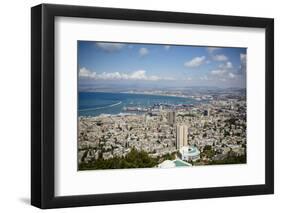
pixel 158 64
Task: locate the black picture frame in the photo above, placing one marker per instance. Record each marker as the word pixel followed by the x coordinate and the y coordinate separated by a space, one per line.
pixel 43 102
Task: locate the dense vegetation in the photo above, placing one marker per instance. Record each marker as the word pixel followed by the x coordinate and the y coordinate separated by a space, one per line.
pixel 134 159
pixel 208 152
pixel 230 160
pixel 141 159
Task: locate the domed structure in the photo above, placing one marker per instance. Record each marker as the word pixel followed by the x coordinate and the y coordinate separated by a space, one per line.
pixel 188 153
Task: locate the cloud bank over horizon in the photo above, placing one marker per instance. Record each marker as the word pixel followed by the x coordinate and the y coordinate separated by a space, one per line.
pixel 136 75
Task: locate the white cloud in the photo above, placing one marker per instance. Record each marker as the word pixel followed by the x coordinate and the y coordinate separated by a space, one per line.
pixel 189 79
pixel 136 75
pixel 224 71
pixel 204 78
pixel 218 72
pixel 231 75
pixel 143 51
pixel 139 75
pixel 154 78
pixel 212 49
pixel 85 73
pixel 110 47
pixel 227 65
pixel 219 57
pixel 243 62
pixel 111 76
pixel 167 47
pixel 243 58
pixel 195 62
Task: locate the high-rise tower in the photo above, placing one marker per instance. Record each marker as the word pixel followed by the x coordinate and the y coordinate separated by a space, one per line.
pixel 171 117
pixel 182 136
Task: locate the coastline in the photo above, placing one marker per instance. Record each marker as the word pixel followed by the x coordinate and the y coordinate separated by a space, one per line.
pixel 121 100
pixel 97 108
pixel 139 93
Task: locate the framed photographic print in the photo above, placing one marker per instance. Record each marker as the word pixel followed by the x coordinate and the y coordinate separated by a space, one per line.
pixel 139 106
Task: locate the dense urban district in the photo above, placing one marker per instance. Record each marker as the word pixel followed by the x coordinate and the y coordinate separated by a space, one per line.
pixel 210 132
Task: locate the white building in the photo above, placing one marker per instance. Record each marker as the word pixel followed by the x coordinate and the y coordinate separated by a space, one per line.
pixel 173 163
pixel 189 153
pixel 167 164
pixel 182 135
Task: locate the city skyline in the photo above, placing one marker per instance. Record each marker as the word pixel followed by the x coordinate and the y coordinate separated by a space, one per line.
pixel 160 106
pixel 147 65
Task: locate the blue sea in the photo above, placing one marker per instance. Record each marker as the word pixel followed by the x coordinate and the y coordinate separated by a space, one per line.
pixel 97 103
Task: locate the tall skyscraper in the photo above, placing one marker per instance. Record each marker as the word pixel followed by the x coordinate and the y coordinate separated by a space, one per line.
pixel 182 136
pixel 171 117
